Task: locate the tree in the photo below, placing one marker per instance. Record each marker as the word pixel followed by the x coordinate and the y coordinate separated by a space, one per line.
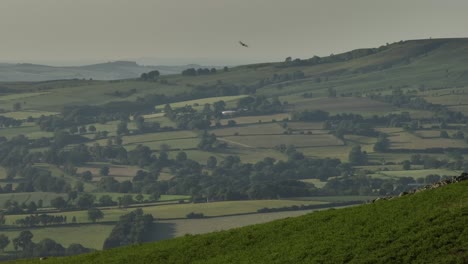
pixel 406 165
pixel 181 156
pixel 106 200
pixel 126 200
pixel 357 157
pixel 87 176
pixel 95 214
pixel 4 241
pixel 122 128
pixel 23 241
pixel 86 200
pixel 92 128
pixel 211 162
pixel 17 106
pixel 444 134
pixel 104 171
pixel 58 203
pixel 139 197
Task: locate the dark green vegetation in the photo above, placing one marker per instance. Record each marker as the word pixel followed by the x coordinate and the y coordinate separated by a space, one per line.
pixel 207 142
pixel 427 227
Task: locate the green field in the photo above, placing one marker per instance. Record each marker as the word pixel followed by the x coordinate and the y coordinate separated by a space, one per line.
pixel 199 103
pixel 29 197
pixel 181 210
pixel 417 173
pixel 30 131
pixel 271 141
pixel 373 233
pixel 23 115
pixel 257 129
pixel 67 235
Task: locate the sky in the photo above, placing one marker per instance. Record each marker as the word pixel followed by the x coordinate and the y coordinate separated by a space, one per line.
pixel 76 32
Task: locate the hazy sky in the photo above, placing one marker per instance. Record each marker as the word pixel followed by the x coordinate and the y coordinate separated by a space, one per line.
pixel 203 31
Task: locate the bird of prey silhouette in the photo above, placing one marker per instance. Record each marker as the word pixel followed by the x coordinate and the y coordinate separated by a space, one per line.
pixel 243 44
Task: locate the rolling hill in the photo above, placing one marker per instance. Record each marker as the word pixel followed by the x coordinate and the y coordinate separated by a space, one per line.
pixel 427 227
pixel 102 71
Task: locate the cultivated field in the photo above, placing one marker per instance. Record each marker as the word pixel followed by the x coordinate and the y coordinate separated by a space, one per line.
pixel 271 141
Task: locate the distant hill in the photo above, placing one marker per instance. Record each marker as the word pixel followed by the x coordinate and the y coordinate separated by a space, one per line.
pixel 102 71
pixel 426 227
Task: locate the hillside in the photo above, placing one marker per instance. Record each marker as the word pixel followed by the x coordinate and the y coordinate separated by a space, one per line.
pixel 213 149
pixel 427 227
pixel 103 71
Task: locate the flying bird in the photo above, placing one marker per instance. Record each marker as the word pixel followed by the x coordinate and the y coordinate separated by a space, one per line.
pixel 243 44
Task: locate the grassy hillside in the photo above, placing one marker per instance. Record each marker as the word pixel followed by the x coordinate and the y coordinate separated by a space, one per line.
pixel 427 227
pixel 101 71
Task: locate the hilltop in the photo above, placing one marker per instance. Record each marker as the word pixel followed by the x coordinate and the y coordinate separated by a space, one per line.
pixel 25 72
pixel 427 227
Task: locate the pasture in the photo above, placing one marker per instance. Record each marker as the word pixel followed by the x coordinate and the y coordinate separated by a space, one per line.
pixel 270 141
pixel 166 211
pixel 417 173
pixel 91 236
pixel 198 104
pixel 357 105
pixel 255 129
pixel 256 119
pixel 46 197
pixel 30 131
pixel 23 115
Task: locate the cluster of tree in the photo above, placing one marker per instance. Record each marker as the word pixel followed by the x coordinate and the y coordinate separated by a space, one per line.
pixel 209 142
pixel 42 219
pixel 354 54
pixel 47 247
pixel 9 122
pixel 259 105
pixel 390 120
pixel 193 215
pixel 188 118
pixel 284 77
pixel 305 207
pixel 132 228
pixel 199 71
pixel 398 98
pixel 123 94
pixel 382 144
pixel 150 76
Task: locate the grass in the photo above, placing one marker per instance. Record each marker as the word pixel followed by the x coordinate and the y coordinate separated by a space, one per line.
pixel 67 235
pixel 23 115
pixel 400 139
pixel 417 173
pixel 256 119
pixel 270 141
pixel 199 103
pixel 254 129
pixel 30 131
pixel 428 227
pixel 29 197
pixel 358 105
pixel 181 210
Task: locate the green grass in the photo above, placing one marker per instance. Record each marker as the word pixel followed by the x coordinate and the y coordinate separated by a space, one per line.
pixel 181 210
pixel 30 197
pixel 202 102
pixel 30 131
pixel 417 173
pixel 270 141
pixel 428 227
pixel 91 236
pixel 22 115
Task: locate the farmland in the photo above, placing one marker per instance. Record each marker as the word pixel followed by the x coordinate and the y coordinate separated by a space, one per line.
pixel 312 134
